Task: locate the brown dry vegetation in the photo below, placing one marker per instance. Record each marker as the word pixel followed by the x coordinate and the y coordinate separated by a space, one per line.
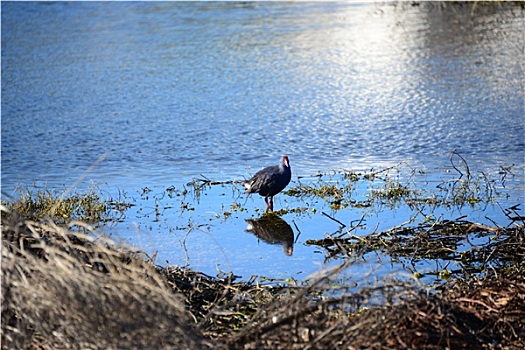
pixel 67 288
pixel 63 289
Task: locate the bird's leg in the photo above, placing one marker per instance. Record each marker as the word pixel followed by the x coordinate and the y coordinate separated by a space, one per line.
pixel 269 204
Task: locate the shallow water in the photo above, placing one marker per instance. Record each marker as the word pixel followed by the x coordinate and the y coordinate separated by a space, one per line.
pixel 206 226
pixel 134 95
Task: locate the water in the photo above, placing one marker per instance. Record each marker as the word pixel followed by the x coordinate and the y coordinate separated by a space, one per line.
pixel 154 94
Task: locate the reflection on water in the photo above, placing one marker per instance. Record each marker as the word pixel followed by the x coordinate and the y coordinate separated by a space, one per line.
pixel 272 230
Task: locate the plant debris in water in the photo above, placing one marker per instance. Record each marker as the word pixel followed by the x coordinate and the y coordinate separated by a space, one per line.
pixel 433 241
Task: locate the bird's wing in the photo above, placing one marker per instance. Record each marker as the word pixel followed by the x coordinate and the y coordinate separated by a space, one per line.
pixel 263 179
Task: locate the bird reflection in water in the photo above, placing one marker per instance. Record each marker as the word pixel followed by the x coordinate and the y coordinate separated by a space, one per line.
pixel 272 230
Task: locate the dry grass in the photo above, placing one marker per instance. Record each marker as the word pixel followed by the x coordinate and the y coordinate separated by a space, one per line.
pixel 64 289
pixel 486 313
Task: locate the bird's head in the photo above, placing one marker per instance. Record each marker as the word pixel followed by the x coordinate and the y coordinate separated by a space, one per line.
pixel 285 161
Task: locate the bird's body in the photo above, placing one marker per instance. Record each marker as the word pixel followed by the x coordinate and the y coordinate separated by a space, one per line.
pixel 270 181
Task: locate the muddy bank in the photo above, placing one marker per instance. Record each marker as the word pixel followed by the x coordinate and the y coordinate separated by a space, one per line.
pixel 65 287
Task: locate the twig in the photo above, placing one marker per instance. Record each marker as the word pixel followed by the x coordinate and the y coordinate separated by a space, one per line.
pixel 352 227
pixel 334 219
pixel 454 152
pixel 468 300
pixel 299 231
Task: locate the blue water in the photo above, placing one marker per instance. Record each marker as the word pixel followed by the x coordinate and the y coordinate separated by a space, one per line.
pixel 136 94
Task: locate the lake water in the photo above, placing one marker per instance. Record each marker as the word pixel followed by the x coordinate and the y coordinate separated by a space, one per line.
pixel 135 94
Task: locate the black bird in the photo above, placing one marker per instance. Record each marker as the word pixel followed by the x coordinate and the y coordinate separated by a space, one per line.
pixel 270 181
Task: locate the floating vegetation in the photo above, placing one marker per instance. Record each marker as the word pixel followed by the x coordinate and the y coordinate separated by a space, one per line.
pixel 392 192
pixel 331 193
pixel 395 186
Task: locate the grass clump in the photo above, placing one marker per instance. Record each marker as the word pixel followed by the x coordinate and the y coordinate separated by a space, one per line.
pixel 87 207
pixel 338 197
pixel 392 191
pixel 324 191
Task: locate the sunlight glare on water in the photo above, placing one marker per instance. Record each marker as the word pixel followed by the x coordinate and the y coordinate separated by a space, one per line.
pixel 171 90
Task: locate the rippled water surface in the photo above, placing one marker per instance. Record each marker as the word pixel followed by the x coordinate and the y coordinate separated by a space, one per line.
pixel 140 94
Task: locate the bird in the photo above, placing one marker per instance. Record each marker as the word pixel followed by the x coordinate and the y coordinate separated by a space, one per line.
pixel 270 181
